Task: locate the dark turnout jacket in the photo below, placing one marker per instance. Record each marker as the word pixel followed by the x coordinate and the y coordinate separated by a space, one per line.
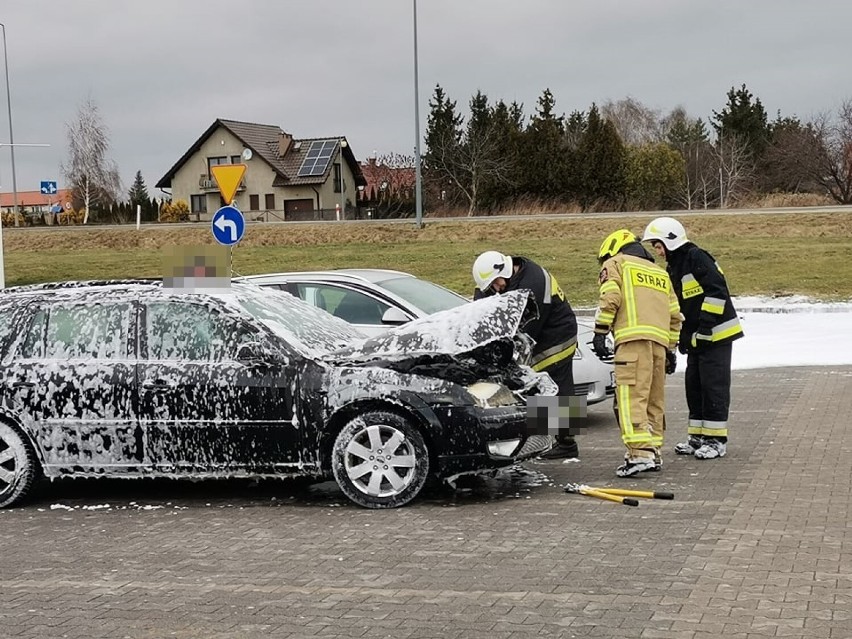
pixel 555 330
pixel 705 302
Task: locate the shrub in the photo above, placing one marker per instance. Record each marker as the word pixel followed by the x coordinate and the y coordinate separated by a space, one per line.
pixel 8 219
pixel 177 211
pixel 75 217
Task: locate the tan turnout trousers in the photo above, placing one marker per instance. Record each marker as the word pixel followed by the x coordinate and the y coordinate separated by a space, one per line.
pixel 640 384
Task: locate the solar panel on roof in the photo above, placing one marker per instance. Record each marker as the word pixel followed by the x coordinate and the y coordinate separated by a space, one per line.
pixel 317 158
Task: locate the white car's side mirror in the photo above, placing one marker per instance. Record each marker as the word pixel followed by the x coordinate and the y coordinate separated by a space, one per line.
pixel 395 317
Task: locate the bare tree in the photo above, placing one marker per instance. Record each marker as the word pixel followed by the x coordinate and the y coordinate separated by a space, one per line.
pixel 698 181
pixel 636 123
pixel 475 161
pixel 481 161
pixel 736 168
pixel 93 178
pixel 832 169
pixel 689 136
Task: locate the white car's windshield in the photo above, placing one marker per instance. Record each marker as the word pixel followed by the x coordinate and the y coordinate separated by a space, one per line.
pixel 428 297
pixel 300 324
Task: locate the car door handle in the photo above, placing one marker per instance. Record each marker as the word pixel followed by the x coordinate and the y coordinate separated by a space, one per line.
pixel 156 385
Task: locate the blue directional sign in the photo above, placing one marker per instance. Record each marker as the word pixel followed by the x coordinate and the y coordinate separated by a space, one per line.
pixel 229 225
pixel 48 187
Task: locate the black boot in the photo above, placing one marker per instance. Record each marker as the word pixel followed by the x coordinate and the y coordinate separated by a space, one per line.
pixel 566 448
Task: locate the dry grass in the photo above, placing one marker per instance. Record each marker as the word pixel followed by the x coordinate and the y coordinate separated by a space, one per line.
pixel 769 254
pixel 783 200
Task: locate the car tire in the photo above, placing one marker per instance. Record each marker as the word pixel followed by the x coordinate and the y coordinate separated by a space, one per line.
pixel 371 474
pixel 18 466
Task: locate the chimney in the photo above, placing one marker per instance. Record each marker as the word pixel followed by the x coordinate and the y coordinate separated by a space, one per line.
pixel 284 141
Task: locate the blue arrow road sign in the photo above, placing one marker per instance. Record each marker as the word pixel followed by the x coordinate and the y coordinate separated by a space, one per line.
pixel 228 225
pixel 48 187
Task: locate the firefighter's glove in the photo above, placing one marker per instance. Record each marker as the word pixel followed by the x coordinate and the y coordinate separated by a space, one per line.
pixel 671 362
pixel 599 346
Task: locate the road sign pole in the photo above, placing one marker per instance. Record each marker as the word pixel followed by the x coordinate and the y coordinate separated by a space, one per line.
pixel 2 260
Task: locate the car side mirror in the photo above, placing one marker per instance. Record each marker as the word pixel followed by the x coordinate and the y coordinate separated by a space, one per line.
pixel 395 317
pixel 252 352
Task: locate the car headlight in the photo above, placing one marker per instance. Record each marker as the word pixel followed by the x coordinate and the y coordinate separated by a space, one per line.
pixel 491 395
pixel 503 448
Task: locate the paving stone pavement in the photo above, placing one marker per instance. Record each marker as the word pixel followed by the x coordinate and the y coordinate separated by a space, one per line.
pixel 754 545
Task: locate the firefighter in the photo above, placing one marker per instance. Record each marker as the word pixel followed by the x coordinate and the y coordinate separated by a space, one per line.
pixel 554 331
pixel 710 326
pixel 638 305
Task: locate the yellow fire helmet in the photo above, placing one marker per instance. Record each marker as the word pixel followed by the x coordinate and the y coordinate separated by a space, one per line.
pixel 614 242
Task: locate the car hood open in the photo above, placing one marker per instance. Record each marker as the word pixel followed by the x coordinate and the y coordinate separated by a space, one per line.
pixel 469 343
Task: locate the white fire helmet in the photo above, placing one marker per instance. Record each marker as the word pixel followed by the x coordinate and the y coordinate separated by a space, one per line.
pixel 489 266
pixel 668 231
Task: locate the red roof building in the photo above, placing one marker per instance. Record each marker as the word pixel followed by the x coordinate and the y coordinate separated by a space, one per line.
pixel 35 201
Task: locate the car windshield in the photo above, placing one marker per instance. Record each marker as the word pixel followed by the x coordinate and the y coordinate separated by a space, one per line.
pixel 306 327
pixel 428 297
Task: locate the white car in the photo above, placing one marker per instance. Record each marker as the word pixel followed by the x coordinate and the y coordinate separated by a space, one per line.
pixel 376 299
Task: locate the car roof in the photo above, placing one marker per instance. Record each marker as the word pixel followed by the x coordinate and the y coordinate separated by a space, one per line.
pixel 360 275
pixel 69 288
pixel 82 285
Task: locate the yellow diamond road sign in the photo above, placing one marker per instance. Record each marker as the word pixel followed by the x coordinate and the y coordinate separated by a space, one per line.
pixel 228 178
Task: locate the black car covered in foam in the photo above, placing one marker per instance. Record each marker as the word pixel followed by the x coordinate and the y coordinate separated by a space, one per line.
pixel 133 379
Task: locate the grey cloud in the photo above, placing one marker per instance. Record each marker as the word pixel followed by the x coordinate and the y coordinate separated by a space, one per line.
pixel 162 71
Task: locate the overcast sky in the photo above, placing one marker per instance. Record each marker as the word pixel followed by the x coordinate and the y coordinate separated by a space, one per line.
pixel 162 71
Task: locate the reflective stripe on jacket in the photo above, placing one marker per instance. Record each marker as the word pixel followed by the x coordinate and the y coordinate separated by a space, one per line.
pixel 637 301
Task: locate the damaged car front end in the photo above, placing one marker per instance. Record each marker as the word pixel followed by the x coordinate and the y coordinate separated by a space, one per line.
pixel 469 367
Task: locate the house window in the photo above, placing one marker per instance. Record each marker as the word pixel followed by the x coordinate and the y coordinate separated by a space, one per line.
pixel 254 202
pixel 198 203
pixel 270 202
pixel 215 162
pixel 337 175
pixel 236 159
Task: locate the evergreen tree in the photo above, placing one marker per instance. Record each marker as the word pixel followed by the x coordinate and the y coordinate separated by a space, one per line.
pixel 138 193
pixel 744 118
pixel 506 129
pixel 443 140
pixel 575 128
pixel 684 132
pixel 545 166
pixel 602 161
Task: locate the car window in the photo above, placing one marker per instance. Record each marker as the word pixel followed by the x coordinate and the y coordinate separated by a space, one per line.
pixel 7 314
pixel 428 297
pixel 190 332
pixel 90 331
pixel 350 306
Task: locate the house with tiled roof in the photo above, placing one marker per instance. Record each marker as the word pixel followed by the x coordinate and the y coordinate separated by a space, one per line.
pixel 35 202
pixel 286 178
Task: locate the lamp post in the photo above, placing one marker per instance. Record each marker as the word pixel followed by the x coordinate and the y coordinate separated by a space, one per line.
pixel 418 180
pixel 342 182
pixel 11 136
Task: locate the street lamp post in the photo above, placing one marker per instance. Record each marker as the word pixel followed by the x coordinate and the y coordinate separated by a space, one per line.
pixel 15 215
pixel 11 136
pixel 418 180
pixel 342 182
